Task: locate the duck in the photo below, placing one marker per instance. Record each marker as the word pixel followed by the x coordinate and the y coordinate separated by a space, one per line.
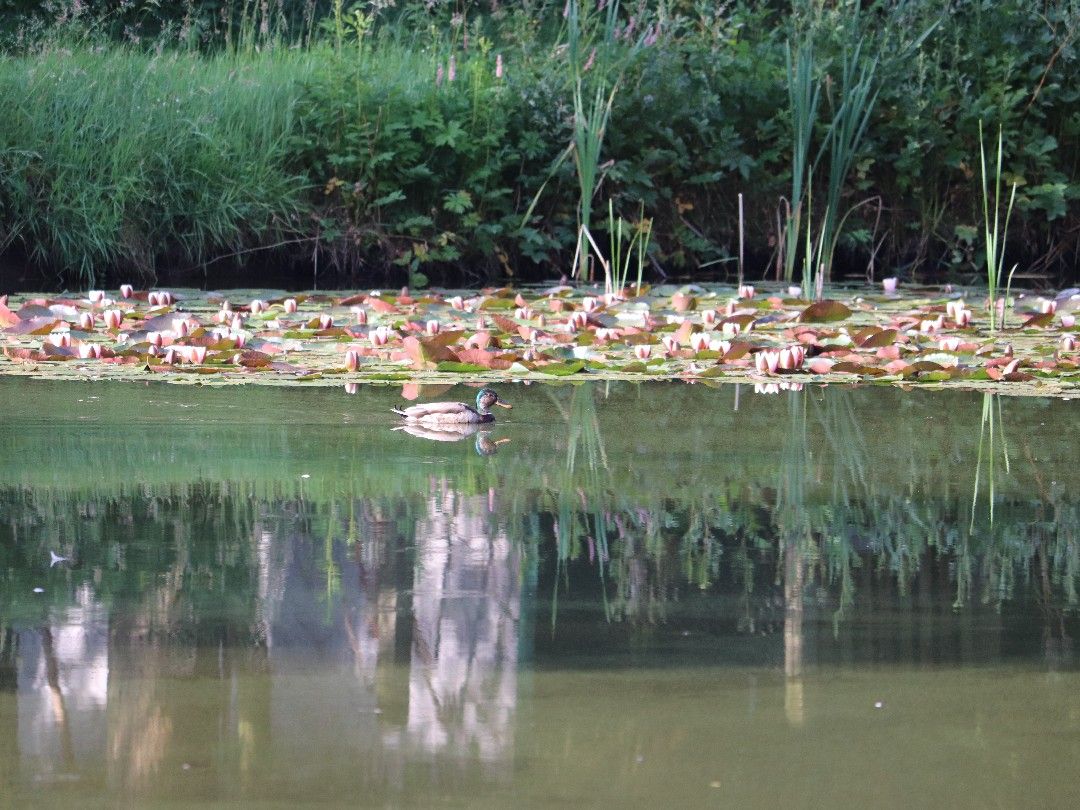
pixel 454 413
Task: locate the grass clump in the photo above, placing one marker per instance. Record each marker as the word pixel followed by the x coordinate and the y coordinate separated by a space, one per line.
pixel 119 158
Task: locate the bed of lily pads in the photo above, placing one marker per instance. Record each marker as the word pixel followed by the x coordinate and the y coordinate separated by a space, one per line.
pixel 769 336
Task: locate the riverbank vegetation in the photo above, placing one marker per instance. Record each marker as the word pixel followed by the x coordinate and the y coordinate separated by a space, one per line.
pixel 416 141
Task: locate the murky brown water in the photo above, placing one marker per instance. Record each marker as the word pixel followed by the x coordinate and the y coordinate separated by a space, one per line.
pixel 654 596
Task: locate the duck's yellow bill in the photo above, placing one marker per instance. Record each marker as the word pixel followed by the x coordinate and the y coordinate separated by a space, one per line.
pixel 503 404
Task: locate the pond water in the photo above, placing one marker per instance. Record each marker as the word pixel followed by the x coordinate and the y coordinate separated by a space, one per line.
pixel 653 595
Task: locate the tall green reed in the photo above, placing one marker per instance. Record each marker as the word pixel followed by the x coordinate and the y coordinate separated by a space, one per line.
pixel 994 231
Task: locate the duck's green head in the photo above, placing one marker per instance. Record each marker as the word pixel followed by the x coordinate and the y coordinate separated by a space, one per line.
pixel 486 398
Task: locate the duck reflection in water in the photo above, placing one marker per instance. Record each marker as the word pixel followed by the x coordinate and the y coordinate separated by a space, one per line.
pixel 484 444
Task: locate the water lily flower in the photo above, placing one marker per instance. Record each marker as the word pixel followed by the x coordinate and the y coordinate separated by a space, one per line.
pixel 1010 367
pixel 59 339
pixel 746 291
pixel 963 317
pixel 1068 343
pixel 379 336
pixel 722 346
pixel 708 317
pixel 671 343
pixel 352 360
pixel 699 341
pixel 180 327
pixel 223 316
pixel 889 285
pixel 237 322
pixel 642 351
pixel 456 302
pixel 949 344
pixel 1068 321
pixel 578 321
pixel 86 351
pixel 729 310
pixel 361 315
pixel 1047 306
pixel 794 291
pixel 432 327
pixel 96 296
pixel 589 304
pixel 1007 351
pixel 767 361
pixel 257 306
pixel 954 308
pixel 155 339
pixel 325 321
pixel 729 329
pixel 197 354
pixel 113 318
pixel 86 321
pixel 170 357
pixel 524 314
pixel 126 291
pixel 290 305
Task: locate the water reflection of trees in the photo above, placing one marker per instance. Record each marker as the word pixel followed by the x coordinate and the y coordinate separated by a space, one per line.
pixel 390 615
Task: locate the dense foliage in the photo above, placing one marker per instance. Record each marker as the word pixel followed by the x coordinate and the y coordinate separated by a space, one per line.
pixel 417 137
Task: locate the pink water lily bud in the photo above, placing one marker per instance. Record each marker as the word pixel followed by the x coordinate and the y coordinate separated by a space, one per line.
pixel 794 291
pixel 113 318
pixel 237 322
pixel 786 360
pixel 456 302
pixel 642 351
pixel 949 344
pixel 166 298
pixel 86 351
pixel 612 298
pixel 524 314
pixel 1011 366
pixel 96 296
pixel 953 309
pixel 170 357
pixel 722 346
pixel 519 301
pixel 155 339
pixel 153 351
pixel 379 336
pixel 729 330
pixel 589 304
pixel 1007 351
pixel 699 341
pixel 153 299
pixel 606 334
pixel 928 327
pixel 671 343
pixel 708 317
pixel 256 306
pixel 578 321
pixel 59 339
pixel 889 285
pixel 325 321
pixel 86 321
pixel 1068 321
pixel 223 316
pixel 126 291
pixel 746 291
pixel 197 354
pixel 1068 343
pixel 239 339
pixel 432 327
pixel 290 305
pixel 1047 306
pixel 729 309
pixel 541 321
pixel 360 314
pixel 352 360
pixel 963 317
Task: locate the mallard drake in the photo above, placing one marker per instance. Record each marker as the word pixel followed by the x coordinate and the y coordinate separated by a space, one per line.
pixel 454 413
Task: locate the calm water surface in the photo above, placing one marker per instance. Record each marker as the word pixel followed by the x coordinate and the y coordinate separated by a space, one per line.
pixel 620 595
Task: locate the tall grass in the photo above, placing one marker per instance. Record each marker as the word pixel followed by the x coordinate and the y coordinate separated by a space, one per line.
pixel 994 231
pixel 118 158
